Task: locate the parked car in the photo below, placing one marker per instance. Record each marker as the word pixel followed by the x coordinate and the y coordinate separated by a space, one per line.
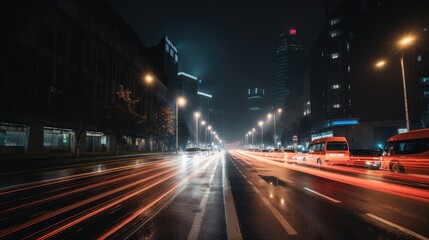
pixel 367 158
pixel 407 152
pixel 328 150
pixel 290 156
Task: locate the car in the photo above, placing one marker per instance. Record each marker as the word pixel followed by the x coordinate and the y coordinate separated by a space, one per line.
pixel 407 152
pixel 290 156
pixel 368 158
pixel 328 151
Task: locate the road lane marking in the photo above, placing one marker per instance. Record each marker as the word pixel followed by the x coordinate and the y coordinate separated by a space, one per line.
pixel 232 225
pixel 196 225
pixel 416 235
pixel 324 196
pixel 250 182
pixel 289 229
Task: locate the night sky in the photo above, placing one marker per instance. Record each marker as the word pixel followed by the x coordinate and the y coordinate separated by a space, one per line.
pixel 228 45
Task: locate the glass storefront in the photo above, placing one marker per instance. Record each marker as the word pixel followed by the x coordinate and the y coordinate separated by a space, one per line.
pixel 56 139
pixel 13 136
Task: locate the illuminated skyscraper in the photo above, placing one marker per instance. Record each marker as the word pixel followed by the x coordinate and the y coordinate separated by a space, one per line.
pixel 289 63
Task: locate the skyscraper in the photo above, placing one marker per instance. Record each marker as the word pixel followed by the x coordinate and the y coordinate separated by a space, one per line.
pixel 256 102
pixel 289 63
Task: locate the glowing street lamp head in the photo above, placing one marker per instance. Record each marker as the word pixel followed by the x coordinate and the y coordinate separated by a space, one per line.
pixel 380 64
pixel 269 115
pixel 181 101
pixel 203 123
pixel 148 78
pixel 260 123
pixel 279 110
pixel 407 40
pixel 209 127
pixel 253 130
pixel 197 114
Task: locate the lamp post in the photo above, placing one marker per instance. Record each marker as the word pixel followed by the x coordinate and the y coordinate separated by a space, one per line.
pixel 261 124
pixel 203 123
pixel 247 140
pixel 404 42
pixel 274 121
pixel 197 115
pixel 253 131
pixel 210 129
pixel 179 103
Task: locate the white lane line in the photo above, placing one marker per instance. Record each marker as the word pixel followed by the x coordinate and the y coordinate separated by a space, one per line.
pixel 289 229
pixel 244 176
pixel 232 225
pixel 196 225
pixel 324 196
pixel 416 235
pixel 250 182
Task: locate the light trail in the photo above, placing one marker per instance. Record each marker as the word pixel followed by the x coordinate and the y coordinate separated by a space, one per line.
pixel 8 231
pixel 47 182
pixel 142 210
pixel 89 187
pixel 390 188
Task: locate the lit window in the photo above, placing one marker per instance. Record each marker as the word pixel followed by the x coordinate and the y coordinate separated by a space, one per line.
pixel 335 86
pixel 419 58
pixel 424 79
pixel 335 55
pixel 334 34
pixel 348 46
pixel 167 49
pixel 248 91
pixel 348 68
pixel 426 93
pixel 336 105
pixel 334 21
pixel 176 58
pixel 256 90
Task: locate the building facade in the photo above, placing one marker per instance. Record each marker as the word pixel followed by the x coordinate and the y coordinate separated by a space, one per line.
pixel 62 63
pixel 345 83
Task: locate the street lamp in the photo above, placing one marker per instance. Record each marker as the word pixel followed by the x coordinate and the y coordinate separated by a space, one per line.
pixel 247 140
pixel 404 42
pixel 253 131
pixel 380 64
pixel 261 124
pixel 148 78
pixel 203 123
pixel 274 120
pixel 197 115
pixel 181 101
pixel 210 129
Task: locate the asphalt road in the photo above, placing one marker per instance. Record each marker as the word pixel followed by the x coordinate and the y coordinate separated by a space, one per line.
pixel 220 196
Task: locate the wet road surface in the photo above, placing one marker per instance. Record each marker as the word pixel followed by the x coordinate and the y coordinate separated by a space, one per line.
pixel 217 196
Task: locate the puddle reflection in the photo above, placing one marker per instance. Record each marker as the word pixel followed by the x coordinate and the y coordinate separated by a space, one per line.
pixel 273 181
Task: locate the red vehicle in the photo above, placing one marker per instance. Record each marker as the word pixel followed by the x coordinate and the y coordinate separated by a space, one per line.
pixel 407 152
